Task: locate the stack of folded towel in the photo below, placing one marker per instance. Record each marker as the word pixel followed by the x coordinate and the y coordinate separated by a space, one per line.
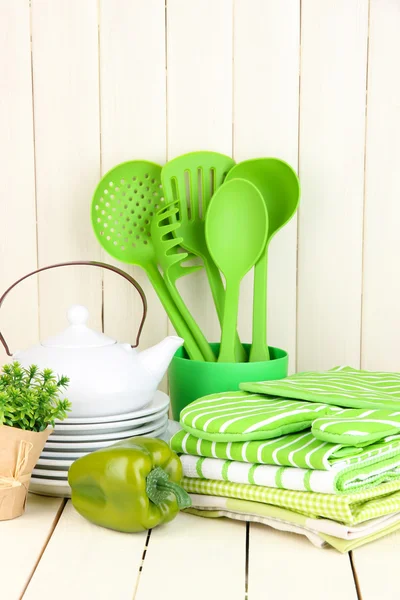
pixel 314 453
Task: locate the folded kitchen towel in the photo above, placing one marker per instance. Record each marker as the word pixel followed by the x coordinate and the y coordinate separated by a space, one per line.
pixel 238 416
pixel 320 532
pixel 326 526
pixel 349 509
pixel 349 545
pixel 301 450
pixel 341 386
pixel 349 479
pixel 356 427
pixel 237 515
pixel 241 416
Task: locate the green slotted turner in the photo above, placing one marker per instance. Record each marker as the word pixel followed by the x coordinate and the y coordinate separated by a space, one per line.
pixel 280 188
pixel 123 206
pixel 192 179
pixel 236 233
pixel 171 261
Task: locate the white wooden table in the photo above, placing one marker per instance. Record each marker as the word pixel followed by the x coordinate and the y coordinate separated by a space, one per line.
pixel 53 553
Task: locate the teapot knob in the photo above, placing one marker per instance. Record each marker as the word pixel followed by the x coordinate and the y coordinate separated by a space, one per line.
pixel 78 315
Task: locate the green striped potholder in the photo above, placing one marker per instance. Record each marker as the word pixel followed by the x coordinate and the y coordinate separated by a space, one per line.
pixel 355 427
pixel 341 386
pixel 238 416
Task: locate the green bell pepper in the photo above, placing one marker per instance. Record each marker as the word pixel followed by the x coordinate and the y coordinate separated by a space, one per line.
pixel 130 486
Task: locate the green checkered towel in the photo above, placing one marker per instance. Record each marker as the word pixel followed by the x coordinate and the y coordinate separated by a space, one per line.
pixel 349 509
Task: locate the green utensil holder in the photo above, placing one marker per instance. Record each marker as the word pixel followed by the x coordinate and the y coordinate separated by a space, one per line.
pixel 192 379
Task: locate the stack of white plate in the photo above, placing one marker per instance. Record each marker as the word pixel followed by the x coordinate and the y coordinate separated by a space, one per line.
pixel 76 437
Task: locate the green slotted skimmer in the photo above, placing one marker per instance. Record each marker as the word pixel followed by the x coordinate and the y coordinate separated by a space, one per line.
pixel 236 234
pixel 280 188
pixel 192 179
pixel 124 204
pixel 171 260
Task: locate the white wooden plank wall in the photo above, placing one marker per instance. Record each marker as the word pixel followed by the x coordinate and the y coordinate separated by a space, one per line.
pixel 199 105
pixel 133 125
pixel 111 80
pixel 381 315
pixel 67 145
pixel 266 108
pixel 332 139
pixel 18 254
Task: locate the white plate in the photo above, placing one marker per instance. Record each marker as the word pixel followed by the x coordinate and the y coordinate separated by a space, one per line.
pixel 54 459
pixel 63 447
pixel 159 403
pixel 102 436
pixel 76 443
pixel 59 456
pixel 59 486
pixel 94 428
pixel 50 487
pixel 37 472
pixel 61 464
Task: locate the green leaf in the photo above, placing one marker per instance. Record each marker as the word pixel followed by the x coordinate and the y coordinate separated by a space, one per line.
pixel 30 398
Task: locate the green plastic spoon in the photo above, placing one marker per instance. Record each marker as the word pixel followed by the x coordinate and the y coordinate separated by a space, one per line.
pixel 236 233
pixel 280 188
pixel 123 207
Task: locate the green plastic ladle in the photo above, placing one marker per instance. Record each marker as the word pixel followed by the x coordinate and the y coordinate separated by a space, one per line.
pixel 280 188
pixel 236 232
pixel 123 207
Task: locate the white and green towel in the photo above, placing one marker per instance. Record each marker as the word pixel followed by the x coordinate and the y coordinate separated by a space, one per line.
pixel 349 509
pixel 335 481
pixel 300 450
pixel 341 386
pixel 321 532
pixel 239 416
pixel 357 427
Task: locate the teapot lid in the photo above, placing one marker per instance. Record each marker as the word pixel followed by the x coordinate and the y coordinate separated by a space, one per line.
pixel 78 335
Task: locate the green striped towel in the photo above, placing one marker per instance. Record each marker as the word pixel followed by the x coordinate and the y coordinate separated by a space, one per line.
pixel 301 450
pixel 356 427
pixel 234 416
pixel 240 416
pixel 348 479
pixel 349 509
pixel 342 386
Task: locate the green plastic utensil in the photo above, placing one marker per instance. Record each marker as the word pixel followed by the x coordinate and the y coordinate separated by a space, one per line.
pixel 236 233
pixel 171 260
pixel 280 188
pixel 192 179
pixel 123 206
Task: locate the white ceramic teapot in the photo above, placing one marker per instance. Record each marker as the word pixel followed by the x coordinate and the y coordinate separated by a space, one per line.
pixel 106 377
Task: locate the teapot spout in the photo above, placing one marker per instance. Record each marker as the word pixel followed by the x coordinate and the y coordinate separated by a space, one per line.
pixel 157 358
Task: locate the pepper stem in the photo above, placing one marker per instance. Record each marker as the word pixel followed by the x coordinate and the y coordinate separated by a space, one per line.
pixel 158 488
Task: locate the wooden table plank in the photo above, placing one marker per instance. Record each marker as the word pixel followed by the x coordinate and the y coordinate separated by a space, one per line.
pixel 286 565
pixel 376 567
pixel 22 542
pixel 84 561
pixel 195 558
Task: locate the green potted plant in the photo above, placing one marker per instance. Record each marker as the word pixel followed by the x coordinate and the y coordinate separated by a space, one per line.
pixel 29 407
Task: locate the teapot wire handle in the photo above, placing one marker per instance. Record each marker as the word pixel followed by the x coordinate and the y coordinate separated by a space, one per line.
pixel 90 264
